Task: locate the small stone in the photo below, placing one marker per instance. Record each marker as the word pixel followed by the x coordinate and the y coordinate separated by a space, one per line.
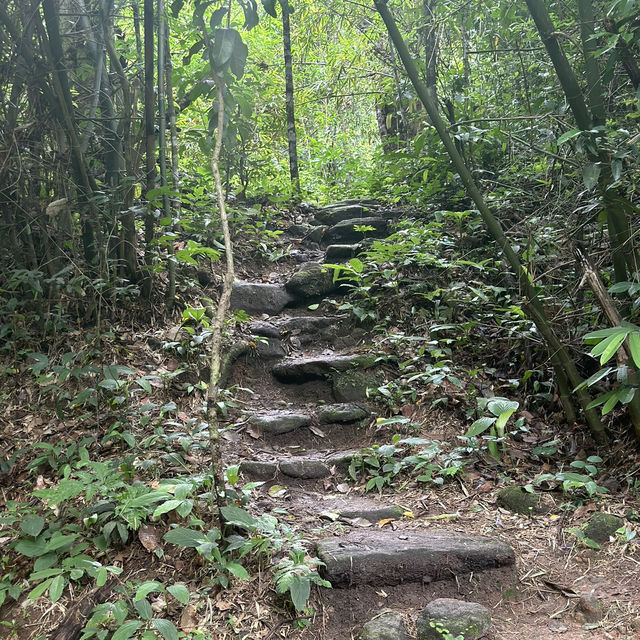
pixel 311 281
pixel 519 500
pixel 602 526
pixel 257 298
pixel 385 626
pixel 278 422
pixel 342 412
pixel 589 609
pixel 455 617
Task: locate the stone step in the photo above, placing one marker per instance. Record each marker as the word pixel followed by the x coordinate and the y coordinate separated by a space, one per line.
pixel 306 328
pixel 307 368
pixel 312 466
pixel 338 252
pixel 345 232
pixel 257 298
pixel 311 280
pixel 379 558
pixel 335 214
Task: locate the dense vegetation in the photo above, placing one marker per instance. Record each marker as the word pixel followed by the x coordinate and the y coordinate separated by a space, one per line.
pixel 506 133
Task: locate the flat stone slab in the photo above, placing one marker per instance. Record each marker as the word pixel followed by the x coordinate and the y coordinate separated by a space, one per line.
pixel 305 469
pixel 342 412
pixel 390 558
pixel 345 231
pixel 277 422
pixel 257 298
pixel 455 617
pixel 372 514
pixel 308 368
pixel 257 469
pixel 296 325
pixel 335 214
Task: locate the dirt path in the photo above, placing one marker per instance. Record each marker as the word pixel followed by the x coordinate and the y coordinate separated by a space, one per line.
pixel 400 548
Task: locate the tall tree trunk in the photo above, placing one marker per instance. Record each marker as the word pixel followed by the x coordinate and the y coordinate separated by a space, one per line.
pixel 288 77
pixel 150 143
pixel 561 360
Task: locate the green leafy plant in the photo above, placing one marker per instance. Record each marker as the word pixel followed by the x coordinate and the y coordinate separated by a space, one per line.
pixel 501 409
pixel 571 481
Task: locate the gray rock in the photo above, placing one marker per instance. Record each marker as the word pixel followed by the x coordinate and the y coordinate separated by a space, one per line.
pixel 258 469
pixel 317 367
pixel 345 231
pixel 311 280
pixel 589 609
pixel 372 514
pixel 386 626
pixel 390 558
pixel 316 234
pixel 298 230
pixel 256 297
pixel 280 421
pixel 339 252
pixel 351 386
pixel 270 348
pixel 518 500
pixel 304 468
pixel 602 526
pixel 455 617
pixel 342 412
pixel 335 214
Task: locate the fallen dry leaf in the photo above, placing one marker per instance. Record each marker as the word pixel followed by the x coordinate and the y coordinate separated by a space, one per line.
pixel 188 620
pixel 149 537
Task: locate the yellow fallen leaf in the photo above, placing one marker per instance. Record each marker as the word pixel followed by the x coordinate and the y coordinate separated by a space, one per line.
pixel 381 523
pixel 408 514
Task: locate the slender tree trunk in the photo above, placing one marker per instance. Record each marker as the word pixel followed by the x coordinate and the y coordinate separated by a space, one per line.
pixel 150 144
pixel 291 120
pixel 622 254
pixel 175 177
pixel 558 354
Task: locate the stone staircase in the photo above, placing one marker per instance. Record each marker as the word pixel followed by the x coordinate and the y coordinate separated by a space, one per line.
pixel 305 419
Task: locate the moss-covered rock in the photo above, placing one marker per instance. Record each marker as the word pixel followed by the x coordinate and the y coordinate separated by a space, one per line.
pixel 311 281
pixel 351 386
pixel 455 617
pixel 519 500
pixel 386 626
pixel 602 526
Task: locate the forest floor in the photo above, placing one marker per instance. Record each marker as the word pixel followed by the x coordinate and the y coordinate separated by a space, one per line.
pixel 559 586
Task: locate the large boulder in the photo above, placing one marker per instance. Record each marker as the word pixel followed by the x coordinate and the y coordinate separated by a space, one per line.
pixel 450 618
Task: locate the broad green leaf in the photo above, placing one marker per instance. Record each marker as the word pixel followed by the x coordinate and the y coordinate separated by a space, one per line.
pixel 31 548
pixel 590 175
pixel 166 628
pixel 239 58
pixel 56 588
pixel 634 347
pixel 567 135
pixel 357 265
pixel 146 588
pixel 145 384
pixel 167 506
pixel 58 541
pixel 498 406
pixel 143 607
pixel 66 490
pixel 179 592
pixel 32 525
pixel 224 41
pixel 300 589
pixel 611 345
pixel 35 593
pixel 270 7
pixel 596 377
pixel 238 516
pixel 479 426
pixel 127 630
pixel 185 537
pixel 101 576
pixel 237 570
